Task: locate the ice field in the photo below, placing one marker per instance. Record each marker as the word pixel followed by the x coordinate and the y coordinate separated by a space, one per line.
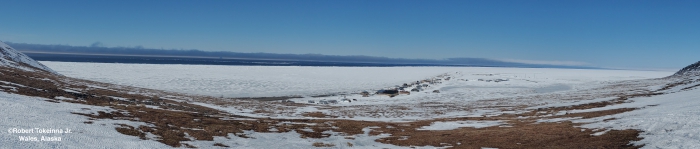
pixel 268 81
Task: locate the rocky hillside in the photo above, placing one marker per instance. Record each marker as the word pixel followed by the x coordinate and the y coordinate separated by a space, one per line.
pixel 690 69
pixel 13 58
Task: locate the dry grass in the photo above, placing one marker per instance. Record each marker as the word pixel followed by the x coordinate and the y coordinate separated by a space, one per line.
pixel 587 115
pixel 317 115
pixel 220 145
pixel 320 144
pixel 521 135
pixel 130 130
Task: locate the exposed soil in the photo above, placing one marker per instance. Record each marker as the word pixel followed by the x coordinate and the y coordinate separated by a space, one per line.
pixel 267 98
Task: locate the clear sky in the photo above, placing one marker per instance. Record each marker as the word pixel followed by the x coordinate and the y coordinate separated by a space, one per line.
pixel 633 34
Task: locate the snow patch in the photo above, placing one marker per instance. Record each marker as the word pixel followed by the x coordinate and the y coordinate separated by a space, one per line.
pixel 457 124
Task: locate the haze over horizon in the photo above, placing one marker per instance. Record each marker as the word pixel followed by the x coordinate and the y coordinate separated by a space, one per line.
pixel 609 34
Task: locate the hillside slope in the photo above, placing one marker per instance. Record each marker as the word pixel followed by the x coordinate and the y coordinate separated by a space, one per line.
pixel 690 69
pixel 13 58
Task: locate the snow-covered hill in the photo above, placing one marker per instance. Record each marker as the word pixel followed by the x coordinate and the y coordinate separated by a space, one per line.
pixel 690 69
pixel 13 58
pixel 668 119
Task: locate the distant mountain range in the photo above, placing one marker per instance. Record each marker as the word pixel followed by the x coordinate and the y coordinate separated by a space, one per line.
pixel 51 52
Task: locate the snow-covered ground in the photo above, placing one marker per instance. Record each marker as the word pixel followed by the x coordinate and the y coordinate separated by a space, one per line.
pixel 267 81
pixel 23 116
pixel 457 124
pixel 292 140
pixel 667 121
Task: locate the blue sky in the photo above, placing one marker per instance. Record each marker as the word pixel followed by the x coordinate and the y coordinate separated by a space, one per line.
pixel 614 34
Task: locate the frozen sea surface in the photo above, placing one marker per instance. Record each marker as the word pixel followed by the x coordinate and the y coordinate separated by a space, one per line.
pixel 266 81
